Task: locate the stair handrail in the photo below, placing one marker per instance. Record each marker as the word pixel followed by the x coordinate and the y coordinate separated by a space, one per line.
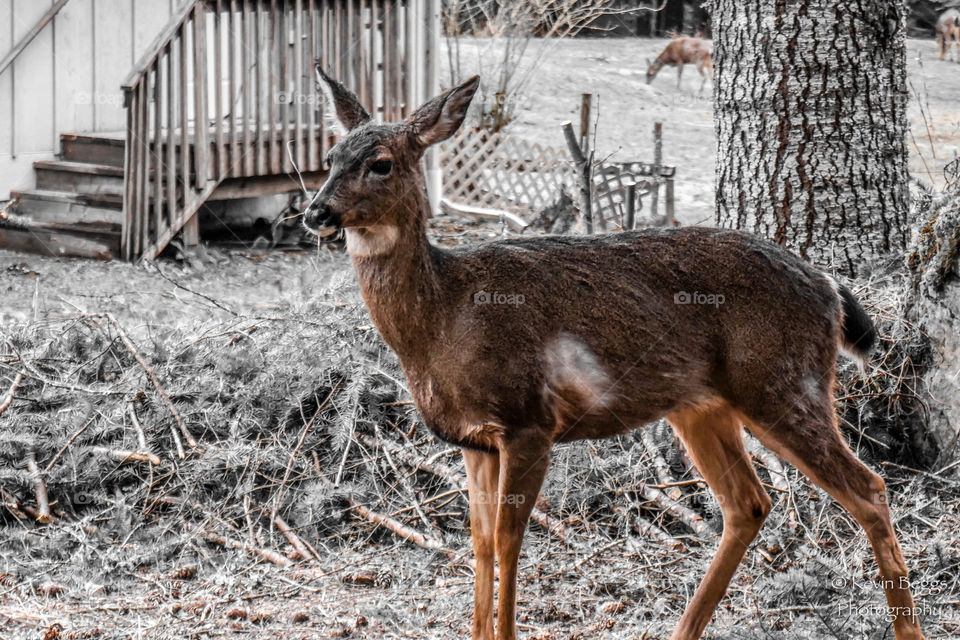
pixel 156 47
pixel 18 48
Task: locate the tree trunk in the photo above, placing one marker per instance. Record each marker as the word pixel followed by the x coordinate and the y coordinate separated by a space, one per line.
pixel 810 111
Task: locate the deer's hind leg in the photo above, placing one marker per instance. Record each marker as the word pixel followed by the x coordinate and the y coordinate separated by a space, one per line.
pixel 713 437
pixel 805 434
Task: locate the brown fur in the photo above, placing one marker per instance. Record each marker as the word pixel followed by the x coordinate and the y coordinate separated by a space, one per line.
pixel 683 51
pixel 585 337
pixel 948 32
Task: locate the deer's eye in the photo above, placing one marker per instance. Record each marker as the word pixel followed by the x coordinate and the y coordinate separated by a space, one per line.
pixel 381 167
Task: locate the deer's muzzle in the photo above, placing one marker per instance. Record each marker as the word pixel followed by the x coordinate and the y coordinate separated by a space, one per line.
pixel 321 220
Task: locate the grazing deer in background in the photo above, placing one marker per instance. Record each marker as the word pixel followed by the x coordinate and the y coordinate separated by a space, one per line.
pixel 948 33
pixel 512 346
pixel 683 51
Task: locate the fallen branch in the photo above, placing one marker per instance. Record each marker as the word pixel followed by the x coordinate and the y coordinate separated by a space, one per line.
pixel 228 543
pixel 127 456
pixel 43 503
pixel 687 516
pixel 660 467
pixel 9 398
pixel 402 530
pixel 294 539
pixel 150 374
pixel 296 450
pixel 440 470
pixel 397 527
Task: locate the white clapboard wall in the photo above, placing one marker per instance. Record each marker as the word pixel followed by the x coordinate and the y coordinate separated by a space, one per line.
pixel 68 79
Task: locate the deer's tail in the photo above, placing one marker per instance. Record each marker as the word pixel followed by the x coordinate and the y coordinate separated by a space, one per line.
pixel 858 335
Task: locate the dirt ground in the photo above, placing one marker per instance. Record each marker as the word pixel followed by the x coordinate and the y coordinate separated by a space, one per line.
pixel 375 586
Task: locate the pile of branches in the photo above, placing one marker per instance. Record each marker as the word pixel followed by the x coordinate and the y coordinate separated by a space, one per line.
pixel 293 438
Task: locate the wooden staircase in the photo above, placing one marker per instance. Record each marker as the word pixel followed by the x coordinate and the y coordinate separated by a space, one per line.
pixel 222 105
pixel 76 207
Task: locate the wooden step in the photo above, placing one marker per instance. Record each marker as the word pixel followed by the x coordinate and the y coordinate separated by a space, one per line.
pixel 82 177
pixel 50 242
pixel 66 201
pixel 93 148
pixel 58 223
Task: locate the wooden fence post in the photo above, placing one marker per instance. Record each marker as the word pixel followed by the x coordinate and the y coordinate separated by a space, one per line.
pixel 629 211
pixel 657 162
pixel 585 100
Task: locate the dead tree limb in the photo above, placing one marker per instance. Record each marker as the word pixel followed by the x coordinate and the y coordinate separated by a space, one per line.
pixel 150 374
pixel 447 473
pixel 407 533
pixel 305 552
pixel 583 166
pixel 127 456
pixel 228 543
pixel 13 388
pixel 43 503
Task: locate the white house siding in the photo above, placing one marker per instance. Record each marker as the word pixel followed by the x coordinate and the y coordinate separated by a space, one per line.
pixel 68 79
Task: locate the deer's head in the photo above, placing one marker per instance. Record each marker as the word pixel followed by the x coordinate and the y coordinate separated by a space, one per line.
pixel 653 66
pixel 375 178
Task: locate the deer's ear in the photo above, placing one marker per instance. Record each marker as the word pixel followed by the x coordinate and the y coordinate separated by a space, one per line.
pixel 342 109
pixel 439 118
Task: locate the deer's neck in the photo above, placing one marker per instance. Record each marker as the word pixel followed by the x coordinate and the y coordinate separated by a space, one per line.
pixel 397 271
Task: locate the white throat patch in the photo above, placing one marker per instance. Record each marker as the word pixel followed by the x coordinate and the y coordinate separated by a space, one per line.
pixel 372 241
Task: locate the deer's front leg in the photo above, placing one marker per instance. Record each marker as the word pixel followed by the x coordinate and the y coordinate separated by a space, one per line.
pixel 483 472
pixel 523 465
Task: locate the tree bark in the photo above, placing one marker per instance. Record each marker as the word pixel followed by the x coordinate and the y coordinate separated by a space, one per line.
pixel 810 113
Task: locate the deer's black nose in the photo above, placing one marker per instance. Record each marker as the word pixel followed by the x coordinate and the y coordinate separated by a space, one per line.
pixel 320 217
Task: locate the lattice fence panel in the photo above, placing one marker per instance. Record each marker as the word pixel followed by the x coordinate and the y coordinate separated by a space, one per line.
pixel 499 172
pixel 491 170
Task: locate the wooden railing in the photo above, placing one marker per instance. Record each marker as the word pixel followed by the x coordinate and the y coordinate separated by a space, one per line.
pixel 228 91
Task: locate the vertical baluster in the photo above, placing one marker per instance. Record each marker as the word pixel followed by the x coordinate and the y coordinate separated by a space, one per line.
pixel 129 175
pixel 408 57
pixel 324 53
pixel 233 39
pixel 337 41
pixel 398 48
pixel 301 92
pixel 372 37
pixel 284 41
pixel 259 69
pixel 171 138
pixel 184 97
pixel 201 122
pixel 217 112
pixel 143 160
pixel 311 90
pixel 246 163
pixel 388 56
pixel 157 140
pixel 275 55
pixel 350 76
pixel 358 39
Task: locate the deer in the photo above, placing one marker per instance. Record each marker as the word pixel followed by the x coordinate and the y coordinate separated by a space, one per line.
pixel 682 51
pixel 512 346
pixel 948 32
